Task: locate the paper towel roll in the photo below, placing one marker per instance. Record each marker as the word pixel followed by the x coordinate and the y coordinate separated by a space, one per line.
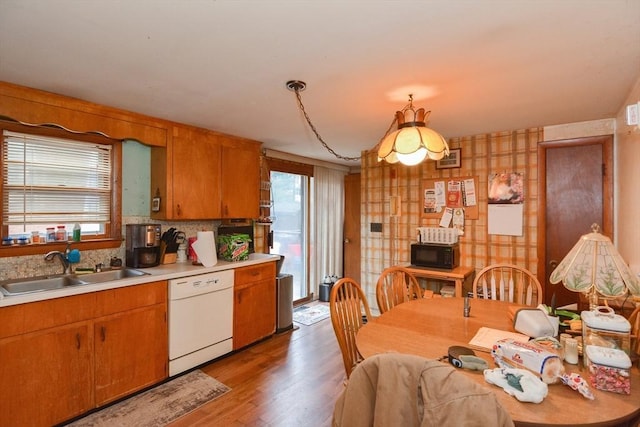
pixel 205 248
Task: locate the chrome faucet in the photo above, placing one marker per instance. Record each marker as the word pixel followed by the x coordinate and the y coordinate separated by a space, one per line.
pixel 63 257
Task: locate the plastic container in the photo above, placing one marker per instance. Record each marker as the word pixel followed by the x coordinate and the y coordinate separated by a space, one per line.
pixel 51 234
pixel 61 233
pixel 609 369
pixel 35 237
pixel 603 328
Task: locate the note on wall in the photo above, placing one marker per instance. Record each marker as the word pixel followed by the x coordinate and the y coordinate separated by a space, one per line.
pixel 456 193
pixel 505 219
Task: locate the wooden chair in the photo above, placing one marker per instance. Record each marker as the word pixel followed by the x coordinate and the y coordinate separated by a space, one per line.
pixel 349 311
pixel 508 282
pixel 395 286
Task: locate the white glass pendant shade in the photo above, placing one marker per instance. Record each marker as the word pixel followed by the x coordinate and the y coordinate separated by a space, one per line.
pixel 413 141
pixel 594 264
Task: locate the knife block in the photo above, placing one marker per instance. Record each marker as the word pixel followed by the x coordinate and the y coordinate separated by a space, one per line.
pixel 169 258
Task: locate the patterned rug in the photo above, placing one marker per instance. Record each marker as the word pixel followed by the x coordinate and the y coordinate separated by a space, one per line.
pixel 310 314
pixel 160 405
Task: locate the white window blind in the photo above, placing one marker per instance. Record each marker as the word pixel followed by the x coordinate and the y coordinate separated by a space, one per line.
pixel 54 181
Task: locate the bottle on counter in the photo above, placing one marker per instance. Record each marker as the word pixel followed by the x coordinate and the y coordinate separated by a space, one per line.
pixel 77 232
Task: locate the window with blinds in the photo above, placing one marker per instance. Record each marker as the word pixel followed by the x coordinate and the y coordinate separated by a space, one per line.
pixel 51 181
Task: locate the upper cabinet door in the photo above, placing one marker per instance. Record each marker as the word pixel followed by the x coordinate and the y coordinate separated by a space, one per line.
pixel 240 178
pixel 195 177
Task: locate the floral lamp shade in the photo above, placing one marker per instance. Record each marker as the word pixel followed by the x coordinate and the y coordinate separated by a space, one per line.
pixel 593 266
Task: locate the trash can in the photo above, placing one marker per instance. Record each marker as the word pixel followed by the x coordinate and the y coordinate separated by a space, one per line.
pixel 284 302
pixel 325 291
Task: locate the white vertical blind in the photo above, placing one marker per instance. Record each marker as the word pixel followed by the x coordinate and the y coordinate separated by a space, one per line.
pixel 52 180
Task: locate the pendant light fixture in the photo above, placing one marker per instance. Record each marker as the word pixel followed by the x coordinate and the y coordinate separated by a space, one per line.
pixel 413 141
pixel 410 144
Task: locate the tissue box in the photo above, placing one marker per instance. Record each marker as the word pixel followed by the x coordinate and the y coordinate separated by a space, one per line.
pixel 609 369
pixel 233 247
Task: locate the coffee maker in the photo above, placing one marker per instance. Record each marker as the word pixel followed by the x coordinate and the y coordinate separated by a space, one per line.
pixel 143 245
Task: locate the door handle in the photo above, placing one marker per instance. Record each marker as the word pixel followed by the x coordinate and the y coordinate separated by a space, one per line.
pixel 347 241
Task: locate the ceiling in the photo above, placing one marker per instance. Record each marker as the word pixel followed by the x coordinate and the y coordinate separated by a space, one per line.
pixel 479 66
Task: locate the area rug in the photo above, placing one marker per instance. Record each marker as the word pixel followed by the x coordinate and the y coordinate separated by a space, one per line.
pixel 310 314
pixel 160 405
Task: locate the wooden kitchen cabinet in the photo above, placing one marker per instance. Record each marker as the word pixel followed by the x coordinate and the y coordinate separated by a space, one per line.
pixel 129 358
pixel 240 179
pixel 46 376
pixel 205 175
pixel 131 342
pixel 254 308
pixel 63 357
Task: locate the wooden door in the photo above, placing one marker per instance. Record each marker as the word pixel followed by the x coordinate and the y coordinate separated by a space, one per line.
pixel 576 190
pixel 131 352
pixel 45 376
pixel 352 239
pixel 254 306
pixel 240 180
pixel 195 180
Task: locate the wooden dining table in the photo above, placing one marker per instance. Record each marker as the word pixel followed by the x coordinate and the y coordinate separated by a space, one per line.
pixel 428 327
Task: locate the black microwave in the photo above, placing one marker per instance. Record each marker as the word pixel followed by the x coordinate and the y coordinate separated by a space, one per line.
pixel 432 255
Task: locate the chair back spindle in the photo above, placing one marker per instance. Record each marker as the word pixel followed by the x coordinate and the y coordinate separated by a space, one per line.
pixel 508 282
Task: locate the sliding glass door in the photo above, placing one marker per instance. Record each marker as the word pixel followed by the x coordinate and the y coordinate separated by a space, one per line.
pixel 290 193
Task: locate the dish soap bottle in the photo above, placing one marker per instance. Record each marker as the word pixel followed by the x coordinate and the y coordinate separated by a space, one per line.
pixel 77 231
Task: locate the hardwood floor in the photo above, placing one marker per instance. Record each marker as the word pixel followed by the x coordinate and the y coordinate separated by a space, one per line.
pixel 291 379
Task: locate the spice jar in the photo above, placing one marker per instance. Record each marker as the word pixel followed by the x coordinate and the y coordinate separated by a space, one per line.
pixel 61 233
pixel 51 234
pixel 35 237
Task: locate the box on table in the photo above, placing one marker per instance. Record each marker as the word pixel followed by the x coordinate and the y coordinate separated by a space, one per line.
pixel 233 247
pixel 608 369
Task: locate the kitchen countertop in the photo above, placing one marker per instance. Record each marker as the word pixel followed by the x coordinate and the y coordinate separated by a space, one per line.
pixel 161 272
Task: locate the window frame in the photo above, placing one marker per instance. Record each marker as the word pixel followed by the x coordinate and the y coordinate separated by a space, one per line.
pixel 113 237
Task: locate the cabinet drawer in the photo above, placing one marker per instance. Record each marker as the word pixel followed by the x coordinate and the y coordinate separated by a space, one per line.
pixel 36 316
pixel 130 297
pixel 255 273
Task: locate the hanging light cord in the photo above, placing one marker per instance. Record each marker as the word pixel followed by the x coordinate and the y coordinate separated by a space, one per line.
pixel 296 86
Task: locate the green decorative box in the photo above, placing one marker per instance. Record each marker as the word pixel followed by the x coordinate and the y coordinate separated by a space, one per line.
pixel 233 247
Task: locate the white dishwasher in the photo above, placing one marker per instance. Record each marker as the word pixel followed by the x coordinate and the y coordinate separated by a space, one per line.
pixel 200 319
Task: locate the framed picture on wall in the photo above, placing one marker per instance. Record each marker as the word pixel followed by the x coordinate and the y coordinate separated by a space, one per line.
pixel 452 161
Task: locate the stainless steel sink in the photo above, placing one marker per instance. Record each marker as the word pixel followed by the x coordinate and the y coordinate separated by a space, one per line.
pixel 47 283
pixel 110 275
pixel 38 284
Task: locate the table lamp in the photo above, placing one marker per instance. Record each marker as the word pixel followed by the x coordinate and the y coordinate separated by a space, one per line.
pixel 594 266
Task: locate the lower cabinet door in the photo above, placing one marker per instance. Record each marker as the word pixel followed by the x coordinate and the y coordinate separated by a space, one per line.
pixel 131 352
pixel 46 376
pixel 254 315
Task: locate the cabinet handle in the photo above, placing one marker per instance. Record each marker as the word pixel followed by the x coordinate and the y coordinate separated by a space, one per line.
pixel 78 341
pixel 103 333
pixel 178 210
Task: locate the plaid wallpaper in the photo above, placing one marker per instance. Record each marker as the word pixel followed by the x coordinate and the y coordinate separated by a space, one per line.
pixel 482 155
